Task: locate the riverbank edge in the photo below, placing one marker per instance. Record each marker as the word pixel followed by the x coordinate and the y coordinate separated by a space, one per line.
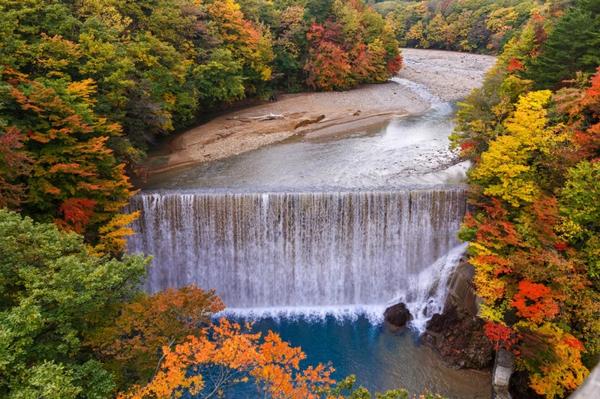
pixel 448 76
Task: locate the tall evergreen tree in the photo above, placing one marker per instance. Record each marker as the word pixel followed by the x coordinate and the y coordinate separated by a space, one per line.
pixel 573 45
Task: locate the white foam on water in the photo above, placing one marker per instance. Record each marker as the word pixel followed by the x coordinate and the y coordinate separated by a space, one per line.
pixel 373 313
pixel 422 91
pixel 429 288
pixel 314 254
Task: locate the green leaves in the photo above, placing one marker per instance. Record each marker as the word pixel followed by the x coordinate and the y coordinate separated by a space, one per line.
pixel 52 292
pixel 573 45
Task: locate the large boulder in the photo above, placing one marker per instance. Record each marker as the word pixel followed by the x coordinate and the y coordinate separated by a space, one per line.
pixel 397 315
pixel 461 292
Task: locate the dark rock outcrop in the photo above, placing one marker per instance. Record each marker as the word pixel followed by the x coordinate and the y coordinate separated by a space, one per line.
pixel 461 292
pixel 459 338
pixel 519 387
pixel 457 334
pixel 397 315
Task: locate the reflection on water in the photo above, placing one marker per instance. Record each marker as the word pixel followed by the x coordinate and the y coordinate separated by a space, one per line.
pixel 412 150
pixel 380 359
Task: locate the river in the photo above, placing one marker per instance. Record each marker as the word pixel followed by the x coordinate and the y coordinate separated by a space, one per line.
pixel 314 236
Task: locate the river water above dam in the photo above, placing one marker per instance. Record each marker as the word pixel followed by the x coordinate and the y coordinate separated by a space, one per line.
pixel 403 151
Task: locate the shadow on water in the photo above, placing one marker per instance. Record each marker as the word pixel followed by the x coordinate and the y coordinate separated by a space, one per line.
pixel 380 358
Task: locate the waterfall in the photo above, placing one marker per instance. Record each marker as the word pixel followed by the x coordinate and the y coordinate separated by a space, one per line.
pixel 298 250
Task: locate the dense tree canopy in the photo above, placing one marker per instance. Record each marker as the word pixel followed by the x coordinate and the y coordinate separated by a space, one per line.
pixel 85 86
pixel 473 25
pixel 535 189
pixel 53 292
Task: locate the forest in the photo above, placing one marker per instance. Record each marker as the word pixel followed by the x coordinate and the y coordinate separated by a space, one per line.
pixel 88 87
pixel 533 133
pixel 472 26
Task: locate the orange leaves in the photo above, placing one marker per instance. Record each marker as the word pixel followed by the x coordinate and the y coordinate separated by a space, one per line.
pixel 514 65
pixel 236 356
pixel 150 324
pixel 328 65
pixel 592 93
pixel 83 89
pixel 395 64
pixel 564 371
pixel 535 302
pixel 341 54
pixel 74 176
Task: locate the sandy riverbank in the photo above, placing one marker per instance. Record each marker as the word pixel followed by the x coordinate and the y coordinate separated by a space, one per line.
pixel 447 75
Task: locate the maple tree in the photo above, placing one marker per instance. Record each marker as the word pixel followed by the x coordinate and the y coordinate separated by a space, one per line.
pixel 234 356
pixel 132 344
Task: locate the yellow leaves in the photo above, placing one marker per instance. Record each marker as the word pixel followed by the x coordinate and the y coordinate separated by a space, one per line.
pixel 529 119
pixel 507 169
pixel 56 53
pixel 567 372
pixel 489 288
pixel 491 312
pixel 113 235
pixel 83 89
pixel 70 168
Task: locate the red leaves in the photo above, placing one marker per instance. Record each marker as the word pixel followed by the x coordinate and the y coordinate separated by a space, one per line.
pixel 515 65
pixel 500 335
pixel 394 65
pixel 76 176
pixel 76 213
pixel 573 342
pixel 14 163
pixel 466 147
pixel 561 246
pixel 534 302
pixel 328 66
pixel 592 94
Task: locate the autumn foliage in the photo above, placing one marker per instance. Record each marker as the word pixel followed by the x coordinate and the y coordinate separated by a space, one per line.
pixel 133 342
pixel 534 229
pixel 63 168
pixel 344 51
pixel 224 355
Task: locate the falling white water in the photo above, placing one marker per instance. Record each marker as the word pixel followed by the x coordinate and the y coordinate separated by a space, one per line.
pixel 305 252
pixel 429 295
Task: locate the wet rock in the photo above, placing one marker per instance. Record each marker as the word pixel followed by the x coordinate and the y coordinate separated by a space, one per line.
pixel 459 338
pixel 397 315
pixel 461 291
pixel 519 387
